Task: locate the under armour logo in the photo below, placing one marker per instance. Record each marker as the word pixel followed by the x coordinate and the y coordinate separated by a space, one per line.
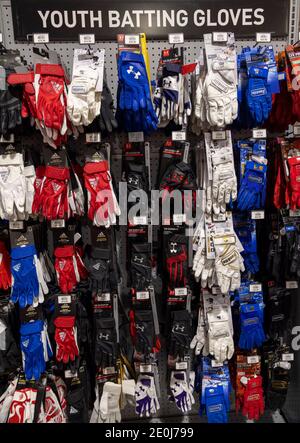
pixel 173 247
pixel 167 83
pixel 138 259
pixel 140 327
pixel 133 180
pixel 103 336
pixel 178 328
pixel 136 74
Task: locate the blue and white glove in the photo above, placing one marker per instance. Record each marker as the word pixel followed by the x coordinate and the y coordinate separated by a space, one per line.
pixel 33 351
pixel 252 192
pixel 146 400
pixel 259 97
pixel 28 283
pixel 182 390
pixel 215 404
pixel 252 332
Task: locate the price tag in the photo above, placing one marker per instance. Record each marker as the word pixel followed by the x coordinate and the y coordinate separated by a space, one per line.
pixel 288 357
pixel 178 136
pixel 145 368
pixel 109 370
pixel 140 220
pixel 1 37
pixel 255 287
pixel 220 37
pixel 296 129
pixel 16 225
pixel 87 39
pixel 142 295
pixel 175 39
pixel 135 137
pixel 215 290
pixel 218 135
pixel 9 139
pixel 70 374
pixel 181 365
pixel 257 215
pixel 180 291
pixel 132 39
pixel 294 213
pixel 179 218
pixel 40 38
pixel 64 299
pixel 55 224
pixel 263 37
pixel 252 359
pixel 259 133
pixel 291 284
pixel 105 296
pixel 215 364
pixel 93 137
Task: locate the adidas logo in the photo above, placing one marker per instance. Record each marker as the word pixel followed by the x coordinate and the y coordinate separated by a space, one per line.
pixel 56 187
pixel 17 267
pixel 73 410
pixel 63 236
pixel 62 336
pixel 55 156
pixel 25 343
pixel 22 238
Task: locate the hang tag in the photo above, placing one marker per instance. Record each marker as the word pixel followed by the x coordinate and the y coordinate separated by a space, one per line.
pixel 176 39
pixel 110 370
pixel 142 295
pixel 40 38
pixel 281 76
pixel 257 215
pixel 16 225
pixel 179 218
pixel 178 136
pixel 219 37
pixel 185 157
pixel 259 133
pixel 181 365
pixel 140 220
pixel 55 224
pixel 255 287
pixel 93 137
pixel 294 213
pixel 253 359
pixel 296 129
pixel 263 37
pixel 215 364
pixel 1 37
pixel 132 39
pixel 180 292
pixel 135 137
pixel 103 297
pixel 291 284
pixel 145 368
pixel 87 39
pixel 61 299
pixel 70 374
pixel 218 135
pixel 9 139
pixel 288 357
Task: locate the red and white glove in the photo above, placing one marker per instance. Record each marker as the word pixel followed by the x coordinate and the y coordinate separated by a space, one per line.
pixel 294 165
pixel 66 268
pixel 254 405
pixel 28 94
pixel 39 177
pixel 5 274
pixel 102 203
pixel 52 194
pixel 66 339
pixel 22 406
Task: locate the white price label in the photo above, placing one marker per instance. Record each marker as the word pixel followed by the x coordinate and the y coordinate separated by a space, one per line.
pixel 132 39
pixel 109 370
pixel 9 139
pixel 135 137
pixel 218 135
pixel 263 37
pixel 16 225
pixel 220 37
pixel 180 291
pixel 93 137
pixel 178 136
pixel 58 224
pixel 70 374
pixel 255 287
pixel 252 359
pixel 216 364
pixel 215 290
pixel 291 284
pixel 257 215
pixel 103 297
pixel 1 37
pixel 145 368
pixel 175 39
pixel 64 299
pixel 295 213
pixel 288 357
pixel 185 157
pixel 40 38
pixel 87 39
pixel 140 220
pixel 179 218
pixel 296 129
pixel 142 295
pixel 181 365
pixel 259 133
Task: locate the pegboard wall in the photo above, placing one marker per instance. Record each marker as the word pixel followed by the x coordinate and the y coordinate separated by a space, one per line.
pixel 168 411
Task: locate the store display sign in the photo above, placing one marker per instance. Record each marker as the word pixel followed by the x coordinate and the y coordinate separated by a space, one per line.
pixel 65 20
